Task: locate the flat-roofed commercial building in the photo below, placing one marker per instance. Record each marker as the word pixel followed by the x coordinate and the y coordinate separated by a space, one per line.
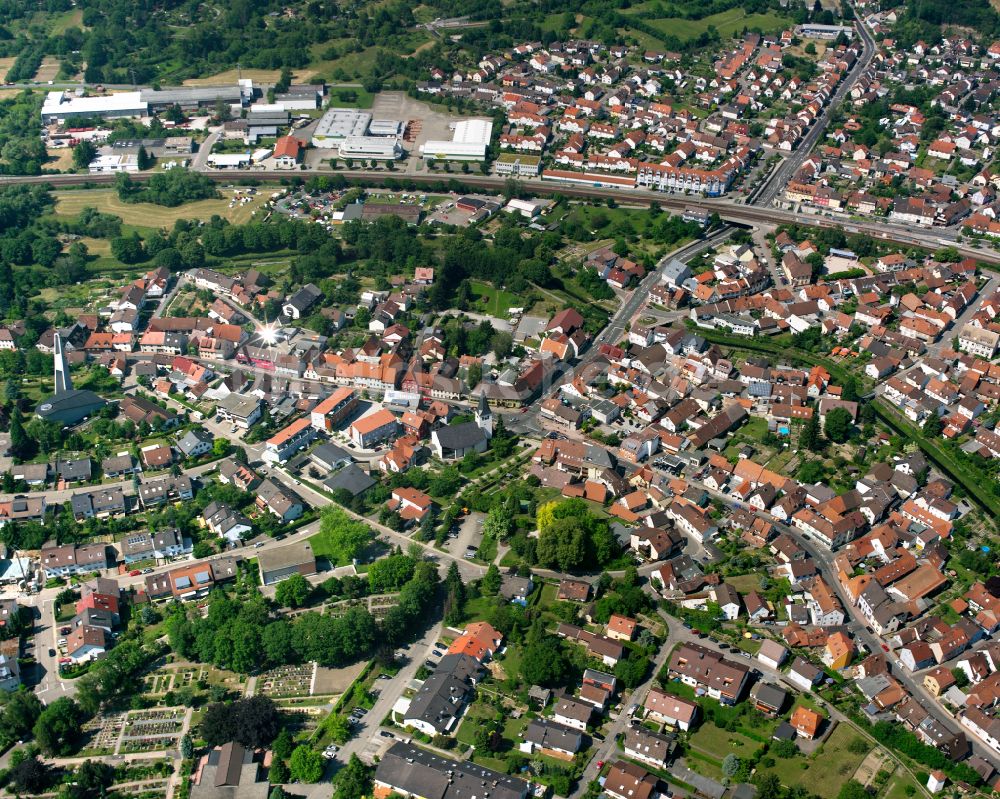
pixel 380 148
pixel 469 143
pixel 338 124
pixel 517 165
pixel 190 97
pixel 65 105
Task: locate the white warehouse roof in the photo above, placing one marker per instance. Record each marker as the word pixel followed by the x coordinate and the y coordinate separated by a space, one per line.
pixel 380 147
pixel 473 131
pixel 469 142
pixel 59 104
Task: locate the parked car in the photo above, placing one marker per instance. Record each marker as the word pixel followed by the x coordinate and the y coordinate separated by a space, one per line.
pixel 52 654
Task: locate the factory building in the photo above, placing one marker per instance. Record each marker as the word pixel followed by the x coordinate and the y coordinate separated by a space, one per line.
pixel 469 142
pixel 60 105
pixel 379 148
pixel 338 124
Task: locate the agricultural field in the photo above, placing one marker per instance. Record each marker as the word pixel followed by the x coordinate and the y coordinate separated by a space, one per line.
pixel 147 215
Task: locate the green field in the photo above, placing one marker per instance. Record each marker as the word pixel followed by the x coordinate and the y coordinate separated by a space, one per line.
pixel 727 23
pixel 717 743
pixel 70 203
pixel 827 769
pixel 493 301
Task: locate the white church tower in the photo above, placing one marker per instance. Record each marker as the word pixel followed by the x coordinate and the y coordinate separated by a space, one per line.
pixel 63 383
pixel 484 416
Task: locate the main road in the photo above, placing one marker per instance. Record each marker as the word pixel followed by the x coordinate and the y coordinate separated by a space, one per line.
pixel 765 194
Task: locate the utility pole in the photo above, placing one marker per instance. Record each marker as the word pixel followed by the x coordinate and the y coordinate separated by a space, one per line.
pixel 132 72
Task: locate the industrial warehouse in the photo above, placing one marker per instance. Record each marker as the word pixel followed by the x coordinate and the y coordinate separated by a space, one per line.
pixel 469 142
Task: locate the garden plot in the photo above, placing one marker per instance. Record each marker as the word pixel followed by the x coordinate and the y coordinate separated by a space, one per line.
pixel 152 730
pixel 174 678
pixel 104 732
pixel 287 681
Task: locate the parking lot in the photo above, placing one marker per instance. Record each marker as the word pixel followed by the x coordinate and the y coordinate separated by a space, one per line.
pixel 470 533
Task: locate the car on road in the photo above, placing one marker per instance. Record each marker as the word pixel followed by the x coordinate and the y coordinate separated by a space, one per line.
pixel 134 573
pixel 885 648
pixel 147 571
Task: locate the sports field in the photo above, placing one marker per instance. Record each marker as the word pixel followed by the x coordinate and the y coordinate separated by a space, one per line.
pixel 70 203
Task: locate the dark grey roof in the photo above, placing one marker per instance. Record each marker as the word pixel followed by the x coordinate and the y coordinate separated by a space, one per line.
pixel 79 469
pixel 329 454
pixel 444 693
pixel 70 406
pixel 655 745
pixel 550 735
pixel 769 695
pixel 460 436
pixel 417 772
pixel 351 478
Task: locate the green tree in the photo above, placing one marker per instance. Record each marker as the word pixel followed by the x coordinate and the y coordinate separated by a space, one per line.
pixel 730 765
pixel 343 537
pixel 933 426
pixel 83 154
pixel 21 444
pixel 252 722
pixel 293 591
pixel 838 425
pixel 91 779
pixel 58 726
pixel 544 663
pixel 809 437
pixel 339 728
pixel 354 780
pixel 490 583
pixel 30 776
pixel 21 712
pixel 306 764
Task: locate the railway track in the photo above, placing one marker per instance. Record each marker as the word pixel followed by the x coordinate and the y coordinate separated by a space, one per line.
pixel 731 212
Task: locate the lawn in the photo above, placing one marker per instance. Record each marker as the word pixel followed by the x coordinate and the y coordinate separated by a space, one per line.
pixel 745 583
pixel 476 714
pixel 493 301
pixel 825 770
pixel 230 76
pixel 70 203
pixel 728 23
pixel 717 743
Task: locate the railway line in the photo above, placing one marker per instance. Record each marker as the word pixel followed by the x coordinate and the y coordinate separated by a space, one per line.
pixel 729 211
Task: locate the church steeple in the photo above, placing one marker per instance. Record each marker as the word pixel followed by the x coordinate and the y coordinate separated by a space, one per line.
pixel 63 382
pixel 484 416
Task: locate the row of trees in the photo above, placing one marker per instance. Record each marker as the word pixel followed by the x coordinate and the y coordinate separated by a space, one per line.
pixel 243 635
